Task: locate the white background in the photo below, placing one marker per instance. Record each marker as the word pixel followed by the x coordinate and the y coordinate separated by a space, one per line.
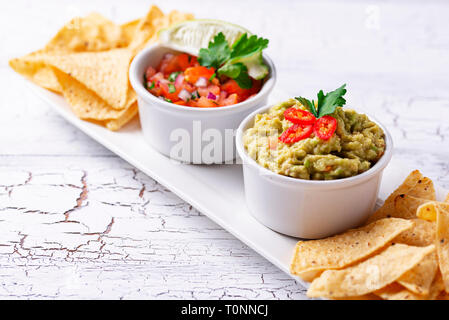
pixel 76 221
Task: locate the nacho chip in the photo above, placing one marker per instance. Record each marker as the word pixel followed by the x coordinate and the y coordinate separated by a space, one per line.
pixel 427 211
pixel 369 275
pixel 116 124
pixel 85 103
pixel 37 71
pixel 105 72
pixel 442 244
pixel 437 286
pixel 88 62
pixel 421 234
pixel 409 183
pixel 406 206
pixel 314 256
pixel 395 291
pixel 419 279
pixel 403 202
pixel 91 33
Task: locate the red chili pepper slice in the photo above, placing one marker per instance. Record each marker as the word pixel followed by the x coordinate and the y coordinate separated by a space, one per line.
pixel 325 127
pixel 296 132
pixel 299 116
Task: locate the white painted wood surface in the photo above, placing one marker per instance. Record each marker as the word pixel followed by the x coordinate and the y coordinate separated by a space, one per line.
pixel 76 221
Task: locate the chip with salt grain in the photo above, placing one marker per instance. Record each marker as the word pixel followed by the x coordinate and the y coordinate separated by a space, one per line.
pixel 419 279
pixel 314 256
pixel 369 275
pixel 404 205
pixel 442 244
pixel 410 182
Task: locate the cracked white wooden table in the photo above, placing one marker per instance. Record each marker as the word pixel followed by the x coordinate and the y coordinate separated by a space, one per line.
pixel 76 221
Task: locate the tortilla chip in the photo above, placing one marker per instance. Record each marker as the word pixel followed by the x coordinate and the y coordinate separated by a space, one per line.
pixel 442 244
pixel 85 103
pixel 314 256
pixel 404 204
pixel 395 291
pixel 369 275
pixel 36 71
pixel 369 296
pixel 443 296
pixel 146 31
pixel 419 279
pixel 105 72
pixel 437 286
pixel 91 33
pixel 88 62
pixel 404 188
pixel 427 211
pixel 421 234
pixel 116 124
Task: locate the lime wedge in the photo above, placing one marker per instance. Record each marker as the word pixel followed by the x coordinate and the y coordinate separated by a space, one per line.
pixel 192 35
pixel 257 69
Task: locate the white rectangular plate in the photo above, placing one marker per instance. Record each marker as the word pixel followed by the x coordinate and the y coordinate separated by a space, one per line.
pixel 216 190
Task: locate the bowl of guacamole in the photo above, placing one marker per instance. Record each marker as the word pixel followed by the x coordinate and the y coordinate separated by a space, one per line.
pixel 312 173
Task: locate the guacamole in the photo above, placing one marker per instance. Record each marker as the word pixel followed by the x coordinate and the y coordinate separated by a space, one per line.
pixel 357 144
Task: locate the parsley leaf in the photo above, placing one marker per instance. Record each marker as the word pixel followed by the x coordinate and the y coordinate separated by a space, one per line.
pixel 228 61
pixel 217 53
pixel 245 46
pixel 326 103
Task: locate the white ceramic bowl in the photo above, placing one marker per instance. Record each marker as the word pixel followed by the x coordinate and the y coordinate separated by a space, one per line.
pixel 309 209
pixel 190 134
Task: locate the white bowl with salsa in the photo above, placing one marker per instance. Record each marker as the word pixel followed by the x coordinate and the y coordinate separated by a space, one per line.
pixel 309 209
pixel 191 134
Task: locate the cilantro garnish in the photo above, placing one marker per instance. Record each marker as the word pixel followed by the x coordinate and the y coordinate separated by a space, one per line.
pixel 326 104
pixel 171 88
pixel 226 59
pixel 152 85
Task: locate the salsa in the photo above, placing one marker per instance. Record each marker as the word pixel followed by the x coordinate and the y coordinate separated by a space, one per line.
pixel 180 79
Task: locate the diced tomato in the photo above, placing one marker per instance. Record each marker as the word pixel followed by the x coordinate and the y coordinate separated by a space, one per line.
pixel 203 102
pixel 214 89
pixel 299 116
pixel 325 127
pixel 230 100
pixel 177 72
pixel 172 63
pixel 149 73
pixel 192 74
pixel 296 132
pixel 231 86
pixel 183 61
pixel 165 91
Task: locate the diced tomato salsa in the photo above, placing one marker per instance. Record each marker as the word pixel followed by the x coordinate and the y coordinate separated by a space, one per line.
pixel 180 79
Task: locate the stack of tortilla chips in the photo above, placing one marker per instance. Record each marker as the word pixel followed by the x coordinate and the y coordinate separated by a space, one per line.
pixel 402 253
pixel 87 62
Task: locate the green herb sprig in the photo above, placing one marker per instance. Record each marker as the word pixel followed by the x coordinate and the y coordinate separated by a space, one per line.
pixel 326 104
pixel 225 58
